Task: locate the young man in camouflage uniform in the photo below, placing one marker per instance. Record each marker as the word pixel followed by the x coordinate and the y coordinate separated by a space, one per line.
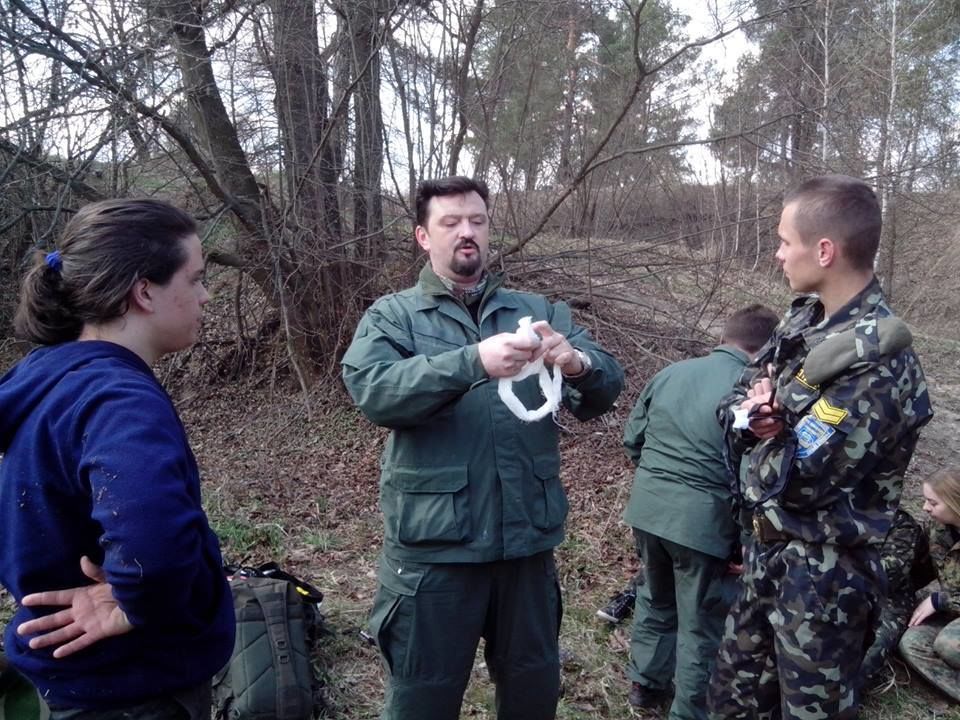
pixel 825 438
pixel 471 495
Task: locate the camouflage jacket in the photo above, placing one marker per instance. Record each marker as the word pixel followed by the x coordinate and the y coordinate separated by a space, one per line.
pixel 836 474
pixel 945 549
pixel 906 560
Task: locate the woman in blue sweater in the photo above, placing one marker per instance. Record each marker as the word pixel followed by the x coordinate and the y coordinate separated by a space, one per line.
pixel 124 610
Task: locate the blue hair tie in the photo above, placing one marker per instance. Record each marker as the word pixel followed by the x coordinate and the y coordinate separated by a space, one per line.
pixel 53 260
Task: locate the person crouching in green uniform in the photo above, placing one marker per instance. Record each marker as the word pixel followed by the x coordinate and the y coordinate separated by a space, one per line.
pixel 931 643
pixel 471 496
pixel 682 517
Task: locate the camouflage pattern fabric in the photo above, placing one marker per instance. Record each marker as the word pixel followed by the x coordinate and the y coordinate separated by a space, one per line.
pixel 853 438
pixel 795 638
pixel 933 650
pixel 906 560
pixel 945 550
pixel 819 600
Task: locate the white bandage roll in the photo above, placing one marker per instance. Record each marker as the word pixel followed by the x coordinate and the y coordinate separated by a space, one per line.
pixel 551 387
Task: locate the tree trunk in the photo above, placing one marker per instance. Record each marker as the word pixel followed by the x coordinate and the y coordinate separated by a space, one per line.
pixel 363 46
pixel 463 75
pixel 565 169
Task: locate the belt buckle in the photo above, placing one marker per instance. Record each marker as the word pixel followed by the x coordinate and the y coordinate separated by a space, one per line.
pixel 757 528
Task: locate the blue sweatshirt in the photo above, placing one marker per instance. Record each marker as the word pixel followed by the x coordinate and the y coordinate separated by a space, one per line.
pixel 96 462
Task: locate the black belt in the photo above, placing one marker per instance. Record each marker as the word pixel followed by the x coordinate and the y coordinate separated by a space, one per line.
pixel 765 532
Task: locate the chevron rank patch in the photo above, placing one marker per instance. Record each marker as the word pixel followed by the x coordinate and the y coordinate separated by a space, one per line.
pixel 828 413
pixel 811 434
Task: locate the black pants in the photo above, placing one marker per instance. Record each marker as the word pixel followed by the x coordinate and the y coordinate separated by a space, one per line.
pixel 193 704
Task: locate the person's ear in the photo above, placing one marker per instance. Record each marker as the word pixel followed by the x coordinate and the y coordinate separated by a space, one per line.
pixel 423 238
pixel 827 252
pixel 141 296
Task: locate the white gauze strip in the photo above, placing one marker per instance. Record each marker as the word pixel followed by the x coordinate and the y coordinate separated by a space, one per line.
pixel 551 387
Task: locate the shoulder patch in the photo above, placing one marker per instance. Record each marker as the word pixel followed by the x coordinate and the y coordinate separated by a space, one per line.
pixel 828 413
pixel 811 434
pixel 802 379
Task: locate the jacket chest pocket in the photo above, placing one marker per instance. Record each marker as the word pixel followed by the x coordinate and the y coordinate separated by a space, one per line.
pixel 426 505
pixel 435 334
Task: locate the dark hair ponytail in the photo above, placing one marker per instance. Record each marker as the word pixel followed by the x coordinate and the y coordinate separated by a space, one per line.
pixel 105 248
pixel 43 315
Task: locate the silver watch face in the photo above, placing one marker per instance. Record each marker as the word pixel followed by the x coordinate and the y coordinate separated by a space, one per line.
pixel 585 360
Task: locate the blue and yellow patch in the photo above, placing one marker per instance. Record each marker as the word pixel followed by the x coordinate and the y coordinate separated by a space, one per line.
pixel 830 414
pixel 811 435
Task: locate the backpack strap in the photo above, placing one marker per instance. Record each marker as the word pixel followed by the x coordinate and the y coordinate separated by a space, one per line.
pixel 274 604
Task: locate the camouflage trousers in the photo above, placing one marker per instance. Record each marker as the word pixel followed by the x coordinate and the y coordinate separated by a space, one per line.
pixel 894 616
pixel 796 635
pixel 933 650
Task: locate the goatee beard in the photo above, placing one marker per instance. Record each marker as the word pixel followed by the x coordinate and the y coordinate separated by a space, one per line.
pixel 466 268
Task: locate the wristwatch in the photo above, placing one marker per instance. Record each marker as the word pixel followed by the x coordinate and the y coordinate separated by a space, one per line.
pixel 586 365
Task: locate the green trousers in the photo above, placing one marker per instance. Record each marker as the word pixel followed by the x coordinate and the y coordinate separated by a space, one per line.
pixel 678 622
pixel 428 620
pixel 19 700
pixel 933 650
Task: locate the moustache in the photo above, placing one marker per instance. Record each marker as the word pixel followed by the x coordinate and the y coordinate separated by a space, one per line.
pixel 467 243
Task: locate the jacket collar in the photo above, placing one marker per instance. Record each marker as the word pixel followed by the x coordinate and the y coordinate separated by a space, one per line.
pixel 807 315
pixel 433 294
pixel 869 301
pixel 734 352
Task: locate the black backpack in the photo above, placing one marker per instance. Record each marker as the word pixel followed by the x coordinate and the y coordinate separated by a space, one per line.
pixel 270 675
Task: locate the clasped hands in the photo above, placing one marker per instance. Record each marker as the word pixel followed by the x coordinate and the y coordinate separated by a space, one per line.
pixel 505 354
pixel 91 614
pixel 763 411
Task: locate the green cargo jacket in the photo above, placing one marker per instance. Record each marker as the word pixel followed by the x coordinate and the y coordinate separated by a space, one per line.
pixel 681 489
pixel 462 479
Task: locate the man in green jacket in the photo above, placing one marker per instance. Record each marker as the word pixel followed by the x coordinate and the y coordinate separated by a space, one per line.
pixel 681 512
pixel 471 496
